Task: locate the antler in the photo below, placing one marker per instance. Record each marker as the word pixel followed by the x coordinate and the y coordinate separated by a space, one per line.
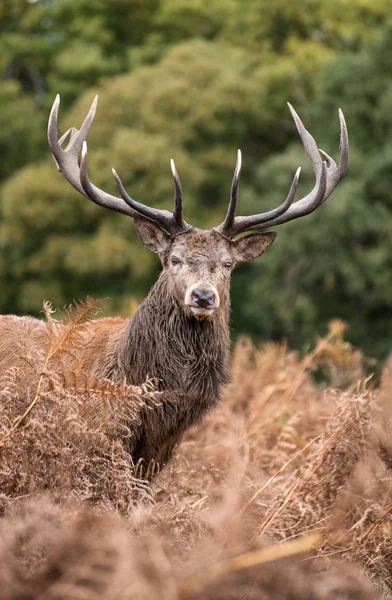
pixel 67 162
pixel 328 175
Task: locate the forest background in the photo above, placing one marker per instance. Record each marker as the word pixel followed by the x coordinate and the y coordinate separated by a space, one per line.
pixel 194 80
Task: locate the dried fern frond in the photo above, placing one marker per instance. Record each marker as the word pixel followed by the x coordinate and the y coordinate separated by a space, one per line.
pixel 279 459
pixel 73 318
pixel 78 440
pixel 75 552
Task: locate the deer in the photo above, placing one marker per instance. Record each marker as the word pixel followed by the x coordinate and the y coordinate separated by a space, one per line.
pixel 180 333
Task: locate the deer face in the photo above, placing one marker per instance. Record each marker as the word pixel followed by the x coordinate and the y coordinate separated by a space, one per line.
pixel 198 264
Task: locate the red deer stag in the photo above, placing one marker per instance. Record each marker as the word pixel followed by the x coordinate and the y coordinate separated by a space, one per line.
pixel 180 333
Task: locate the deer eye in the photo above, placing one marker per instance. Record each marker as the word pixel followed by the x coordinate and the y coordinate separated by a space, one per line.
pixel 175 261
pixel 228 265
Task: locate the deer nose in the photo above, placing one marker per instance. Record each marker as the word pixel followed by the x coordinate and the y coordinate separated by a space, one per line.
pixel 203 298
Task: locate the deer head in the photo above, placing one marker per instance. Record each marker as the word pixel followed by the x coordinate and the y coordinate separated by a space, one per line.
pixel 197 264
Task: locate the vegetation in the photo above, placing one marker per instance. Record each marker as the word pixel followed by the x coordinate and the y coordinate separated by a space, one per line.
pixel 195 81
pixel 280 479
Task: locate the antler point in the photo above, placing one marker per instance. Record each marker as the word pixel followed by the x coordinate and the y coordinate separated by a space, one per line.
pixel 294 113
pixel 239 162
pixel 342 119
pixel 55 108
pixel 291 108
pixel 173 169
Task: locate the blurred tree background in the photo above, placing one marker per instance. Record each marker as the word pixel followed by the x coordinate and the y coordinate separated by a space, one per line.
pixel 195 80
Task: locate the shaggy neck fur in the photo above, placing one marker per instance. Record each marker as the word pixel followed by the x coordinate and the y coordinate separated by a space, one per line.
pixel 184 354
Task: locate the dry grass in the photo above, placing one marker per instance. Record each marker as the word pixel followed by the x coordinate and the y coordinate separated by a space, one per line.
pixel 284 492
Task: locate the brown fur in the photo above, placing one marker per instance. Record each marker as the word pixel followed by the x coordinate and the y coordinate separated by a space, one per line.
pixel 164 340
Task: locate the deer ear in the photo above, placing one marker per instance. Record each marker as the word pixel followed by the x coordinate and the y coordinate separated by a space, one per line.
pixel 151 236
pixel 251 246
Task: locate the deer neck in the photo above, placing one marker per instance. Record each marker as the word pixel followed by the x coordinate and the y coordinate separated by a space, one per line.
pixel 184 353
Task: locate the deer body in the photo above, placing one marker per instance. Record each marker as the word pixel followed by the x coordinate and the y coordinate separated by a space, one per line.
pixel 179 336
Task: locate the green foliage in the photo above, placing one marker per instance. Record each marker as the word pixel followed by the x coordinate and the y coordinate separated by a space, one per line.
pixel 194 81
pixel 22 128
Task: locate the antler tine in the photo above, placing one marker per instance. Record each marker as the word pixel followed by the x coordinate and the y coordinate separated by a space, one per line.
pixel 164 218
pixel 304 206
pixel 177 212
pixel 232 209
pixel 242 224
pixel 328 159
pixel 328 175
pixel 140 209
pixel 344 149
pixel 67 161
pixel 227 225
pixel 99 196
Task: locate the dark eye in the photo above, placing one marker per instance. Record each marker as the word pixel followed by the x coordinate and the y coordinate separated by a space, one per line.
pixel 228 264
pixel 175 261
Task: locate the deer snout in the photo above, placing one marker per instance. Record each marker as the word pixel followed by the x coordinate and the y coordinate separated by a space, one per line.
pixel 202 299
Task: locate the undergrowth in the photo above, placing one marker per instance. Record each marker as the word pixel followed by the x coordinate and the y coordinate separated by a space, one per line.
pixel 285 491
